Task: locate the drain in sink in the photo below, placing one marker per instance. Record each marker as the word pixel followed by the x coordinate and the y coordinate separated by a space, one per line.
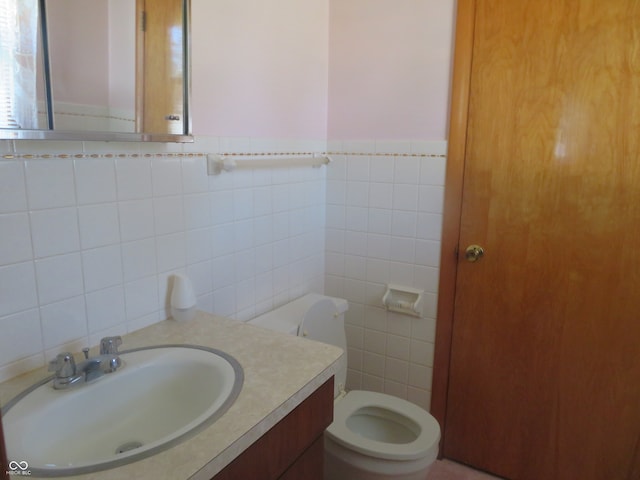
pixel 125 447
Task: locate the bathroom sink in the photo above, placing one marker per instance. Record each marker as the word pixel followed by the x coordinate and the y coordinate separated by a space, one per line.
pixel 160 396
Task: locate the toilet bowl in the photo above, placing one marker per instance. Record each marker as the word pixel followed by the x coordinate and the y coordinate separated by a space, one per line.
pixel 373 435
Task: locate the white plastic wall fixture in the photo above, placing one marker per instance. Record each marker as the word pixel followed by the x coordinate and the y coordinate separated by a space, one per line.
pixel 405 300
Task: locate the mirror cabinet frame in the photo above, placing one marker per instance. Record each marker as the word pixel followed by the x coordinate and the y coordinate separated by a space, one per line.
pixel 78 135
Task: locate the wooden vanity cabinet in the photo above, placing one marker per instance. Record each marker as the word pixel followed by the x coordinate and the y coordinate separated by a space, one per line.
pixel 292 449
pixel 4 461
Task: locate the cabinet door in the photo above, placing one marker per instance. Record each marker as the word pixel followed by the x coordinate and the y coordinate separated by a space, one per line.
pixel 298 436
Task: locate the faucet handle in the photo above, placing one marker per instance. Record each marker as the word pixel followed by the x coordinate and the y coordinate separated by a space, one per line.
pixel 109 345
pixel 64 365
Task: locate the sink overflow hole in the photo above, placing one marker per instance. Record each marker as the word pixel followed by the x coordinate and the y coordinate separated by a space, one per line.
pixel 125 447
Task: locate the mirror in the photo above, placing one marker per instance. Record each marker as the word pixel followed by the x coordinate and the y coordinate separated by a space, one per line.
pixel 95 70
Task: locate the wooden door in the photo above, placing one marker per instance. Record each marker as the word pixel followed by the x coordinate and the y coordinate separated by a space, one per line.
pixel 160 67
pixel 544 366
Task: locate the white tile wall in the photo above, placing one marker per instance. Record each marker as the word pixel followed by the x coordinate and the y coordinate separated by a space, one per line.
pixel 87 245
pixel 384 217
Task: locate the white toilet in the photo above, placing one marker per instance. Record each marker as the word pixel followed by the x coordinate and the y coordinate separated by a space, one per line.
pixel 373 435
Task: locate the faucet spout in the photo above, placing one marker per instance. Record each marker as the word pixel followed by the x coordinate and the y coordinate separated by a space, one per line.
pixel 68 373
pixel 95 367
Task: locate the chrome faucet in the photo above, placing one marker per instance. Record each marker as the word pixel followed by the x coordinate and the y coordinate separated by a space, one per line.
pixel 68 373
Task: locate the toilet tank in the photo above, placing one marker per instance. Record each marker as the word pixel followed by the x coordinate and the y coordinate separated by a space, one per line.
pixel 316 317
pixel 288 317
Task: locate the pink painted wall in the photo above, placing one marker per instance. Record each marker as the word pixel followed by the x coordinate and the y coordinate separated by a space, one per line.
pixel 260 69
pixel 79 51
pixel 122 54
pixel 389 68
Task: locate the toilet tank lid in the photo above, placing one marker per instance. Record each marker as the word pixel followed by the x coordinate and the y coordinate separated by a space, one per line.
pixel 287 318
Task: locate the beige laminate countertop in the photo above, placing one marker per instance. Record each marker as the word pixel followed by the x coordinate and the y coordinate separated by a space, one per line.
pixel 280 371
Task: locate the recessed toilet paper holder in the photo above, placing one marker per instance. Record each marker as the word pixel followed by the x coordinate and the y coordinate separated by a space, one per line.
pixel 405 300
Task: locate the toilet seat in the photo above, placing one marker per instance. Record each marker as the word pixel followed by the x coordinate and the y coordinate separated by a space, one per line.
pixel 392 409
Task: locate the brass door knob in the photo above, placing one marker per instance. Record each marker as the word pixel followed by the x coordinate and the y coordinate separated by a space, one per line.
pixel 473 253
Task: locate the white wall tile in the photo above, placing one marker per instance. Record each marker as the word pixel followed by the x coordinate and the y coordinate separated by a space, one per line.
pixel 102 267
pixel 197 211
pixel 420 376
pixel 382 169
pixel 105 309
pixel 122 225
pixel 263 230
pixel 404 224
pixel 15 244
pixel 280 226
pixel 200 275
pixel 223 271
pixel 141 297
pixel 358 169
pixel 375 341
pixel 168 215
pixel 262 201
pixel 136 219
pixel 398 347
pixel 280 198
pixel 50 183
pixel 224 301
pixel 166 176
pixel 99 225
pixel 171 252
pixel 64 322
pixel 399 243
pixel 378 246
pixel 334 264
pixel 422 353
pixel 357 194
pixel 355 267
pixel 431 198
pixel 433 170
pixel 221 207
pixel 377 270
pixel 55 231
pixel 372 363
pixel 198 245
pixel 405 197
pixel 194 175
pixel 429 226
pixel 59 277
pixel 222 239
pixel 402 273
pixel 403 249
pixel 355 243
pixel 23 334
pixel 242 204
pixel 13 192
pixel 245 264
pixel 407 170
pixel 396 370
pixel 139 259
pixel 336 192
pixel 95 180
pixel 243 235
pixel 336 216
pixel 17 288
pixel 357 219
pixel 381 195
pixel 133 177
pixel 427 253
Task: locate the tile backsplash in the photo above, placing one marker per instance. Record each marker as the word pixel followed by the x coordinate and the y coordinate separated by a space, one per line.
pixel 92 232
pixel 384 220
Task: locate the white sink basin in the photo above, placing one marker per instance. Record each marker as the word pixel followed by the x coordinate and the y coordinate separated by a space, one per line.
pixel 160 396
